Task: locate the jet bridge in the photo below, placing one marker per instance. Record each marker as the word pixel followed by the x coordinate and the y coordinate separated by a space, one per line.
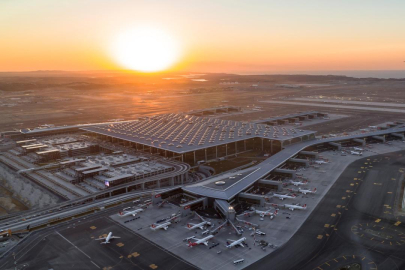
pixel 227 221
pixel 259 199
pixel 337 145
pixel 290 173
pixel 309 154
pixel 379 138
pixel 398 135
pixel 303 162
pixel 225 209
pixel 188 207
pixel 360 141
pixel 271 183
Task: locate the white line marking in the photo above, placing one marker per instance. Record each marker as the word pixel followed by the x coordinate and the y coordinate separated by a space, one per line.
pixel 74 245
pixel 95 264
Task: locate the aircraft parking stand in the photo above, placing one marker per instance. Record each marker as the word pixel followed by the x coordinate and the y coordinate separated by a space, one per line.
pixel 278 231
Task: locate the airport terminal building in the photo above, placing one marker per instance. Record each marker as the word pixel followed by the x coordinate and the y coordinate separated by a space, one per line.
pixel 195 140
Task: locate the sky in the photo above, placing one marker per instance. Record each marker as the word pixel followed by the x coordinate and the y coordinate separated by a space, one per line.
pixel 236 36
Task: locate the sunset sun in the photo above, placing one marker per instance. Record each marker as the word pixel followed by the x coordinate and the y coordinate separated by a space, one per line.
pixel 145 49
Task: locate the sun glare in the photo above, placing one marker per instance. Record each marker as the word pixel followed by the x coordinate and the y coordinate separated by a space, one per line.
pixel 145 49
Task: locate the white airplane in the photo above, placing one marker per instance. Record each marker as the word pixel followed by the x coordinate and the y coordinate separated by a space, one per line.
pixel 320 162
pixel 358 149
pixel 203 241
pixel 282 197
pixel 356 153
pixel 236 242
pixel 108 238
pixel 163 226
pixel 298 183
pixel 295 206
pixel 306 191
pixel 201 225
pixel 266 213
pixel 125 213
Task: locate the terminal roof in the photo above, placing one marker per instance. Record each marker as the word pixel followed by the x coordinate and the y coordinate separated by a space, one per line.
pixel 182 133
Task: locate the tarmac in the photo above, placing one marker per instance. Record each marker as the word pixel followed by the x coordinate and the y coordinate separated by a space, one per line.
pixel 73 246
pixel 358 221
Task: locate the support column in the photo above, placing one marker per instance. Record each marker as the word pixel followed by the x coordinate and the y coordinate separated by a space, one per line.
pixel 158 183
pixel 226 150
pixel 205 154
pixel 143 186
pixel 216 151
pixel 195 159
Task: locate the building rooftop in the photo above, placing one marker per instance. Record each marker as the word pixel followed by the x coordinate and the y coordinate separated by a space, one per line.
pixel 182 133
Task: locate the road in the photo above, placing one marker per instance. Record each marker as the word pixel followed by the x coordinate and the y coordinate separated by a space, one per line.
pixel 356 222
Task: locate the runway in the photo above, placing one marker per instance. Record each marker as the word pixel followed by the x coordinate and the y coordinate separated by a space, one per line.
pixel 73 246
pixel 356 222
pixel 315 104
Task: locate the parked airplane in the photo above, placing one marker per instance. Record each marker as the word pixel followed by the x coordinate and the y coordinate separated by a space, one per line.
pixel 108 238
pixel 320 162
pixel 356 153
pixel 298 183
pixel 295 206
pixel 125 213
pixel 164 226
pixel 282 197
pixel 266 213
pixel 203 241
pixel 236 242
pixel 201 225
pixel 306 191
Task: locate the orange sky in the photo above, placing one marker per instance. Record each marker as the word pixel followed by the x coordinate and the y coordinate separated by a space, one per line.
pixel 217 36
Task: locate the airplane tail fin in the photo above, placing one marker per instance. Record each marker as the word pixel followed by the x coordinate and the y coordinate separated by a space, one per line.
pixel 120 213
pixel 305 206
pixel 189 225
pixel 314 190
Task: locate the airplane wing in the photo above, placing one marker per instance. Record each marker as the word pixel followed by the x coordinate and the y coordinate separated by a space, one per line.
pixel 240 244
pixel 206 243
pixel 103 238
pixel 114 237
pixel 165 228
